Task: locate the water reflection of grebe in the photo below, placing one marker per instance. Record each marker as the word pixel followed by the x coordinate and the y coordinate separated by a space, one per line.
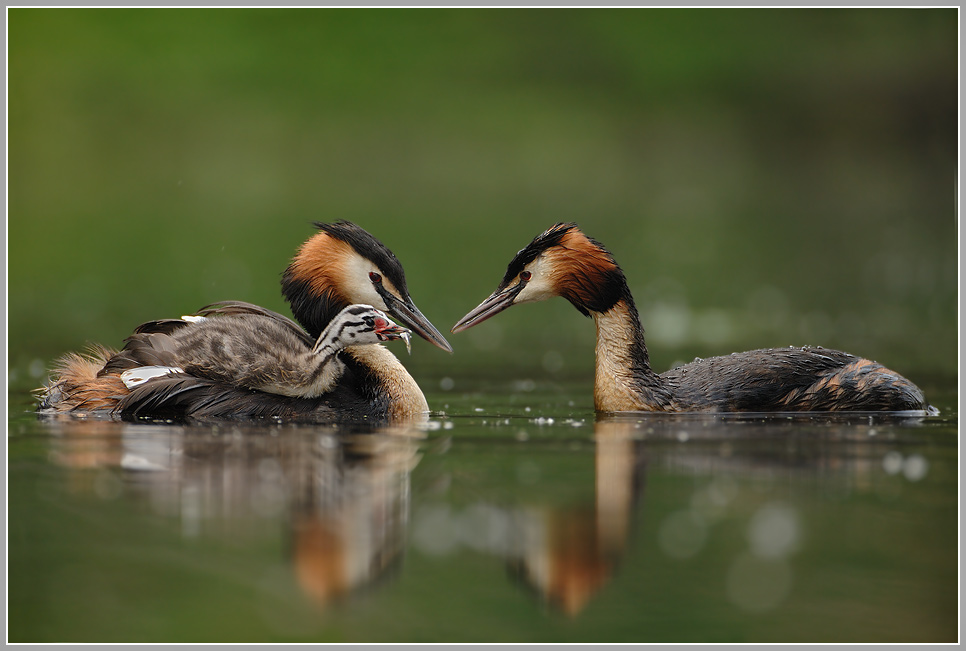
pixel 568 554
pixel 349 531
pixel 342 494
pixel 564 554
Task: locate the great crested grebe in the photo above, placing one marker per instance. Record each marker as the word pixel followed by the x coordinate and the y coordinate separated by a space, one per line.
pixel 238 360
pixel 564 262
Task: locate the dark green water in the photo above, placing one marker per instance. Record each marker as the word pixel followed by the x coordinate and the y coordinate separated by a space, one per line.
pixel 516 515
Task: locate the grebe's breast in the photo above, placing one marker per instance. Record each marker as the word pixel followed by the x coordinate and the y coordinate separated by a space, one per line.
pixel 791 379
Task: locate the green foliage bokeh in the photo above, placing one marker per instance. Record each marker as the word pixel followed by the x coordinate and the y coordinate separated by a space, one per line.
pixel 764 177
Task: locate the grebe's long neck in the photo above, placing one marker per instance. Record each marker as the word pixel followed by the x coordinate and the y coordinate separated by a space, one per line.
pixel 406 399
pixel 624 380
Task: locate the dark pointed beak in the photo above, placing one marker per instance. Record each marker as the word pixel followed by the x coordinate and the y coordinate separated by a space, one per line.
pixel 496 303
pixel 409 315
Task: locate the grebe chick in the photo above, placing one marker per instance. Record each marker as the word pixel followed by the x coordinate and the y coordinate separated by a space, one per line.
pixel 259 353
pixel 339 266
pixel 564 262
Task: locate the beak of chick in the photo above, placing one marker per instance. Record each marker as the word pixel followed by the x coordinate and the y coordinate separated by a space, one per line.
pixel 389 331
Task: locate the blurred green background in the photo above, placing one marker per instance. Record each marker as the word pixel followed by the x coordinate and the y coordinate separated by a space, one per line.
pixel 764 177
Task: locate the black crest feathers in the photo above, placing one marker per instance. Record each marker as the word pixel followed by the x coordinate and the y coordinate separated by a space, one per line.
pixel 549 238
pixel 366 245
pixel 586 273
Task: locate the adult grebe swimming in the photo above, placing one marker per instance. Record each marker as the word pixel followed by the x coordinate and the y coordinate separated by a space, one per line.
pixel 564 262
pixel 236 360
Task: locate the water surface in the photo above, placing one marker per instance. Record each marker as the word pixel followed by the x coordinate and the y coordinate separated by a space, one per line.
pixel 516 514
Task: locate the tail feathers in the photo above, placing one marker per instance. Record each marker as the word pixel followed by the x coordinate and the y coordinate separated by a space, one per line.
pixel 93 381
pixel 83 366
pixel 75 384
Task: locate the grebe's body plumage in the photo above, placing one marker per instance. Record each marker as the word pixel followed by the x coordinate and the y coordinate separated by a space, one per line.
pixel 254 351
pixel 564 262
pixel 238 360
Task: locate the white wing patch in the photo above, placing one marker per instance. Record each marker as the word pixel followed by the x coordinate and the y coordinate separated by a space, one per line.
pixel 194 319
pixel 138 376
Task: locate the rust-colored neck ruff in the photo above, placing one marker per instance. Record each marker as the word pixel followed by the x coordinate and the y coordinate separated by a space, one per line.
pixel 585 273
pixel 624 380
pixel 311 282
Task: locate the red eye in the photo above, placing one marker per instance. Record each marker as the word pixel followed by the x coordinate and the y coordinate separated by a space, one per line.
pixel 374 277
pixel 524 276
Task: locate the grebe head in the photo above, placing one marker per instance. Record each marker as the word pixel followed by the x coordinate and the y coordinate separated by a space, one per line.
pixel 561 261
pixel 359 325
pixel 342 265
